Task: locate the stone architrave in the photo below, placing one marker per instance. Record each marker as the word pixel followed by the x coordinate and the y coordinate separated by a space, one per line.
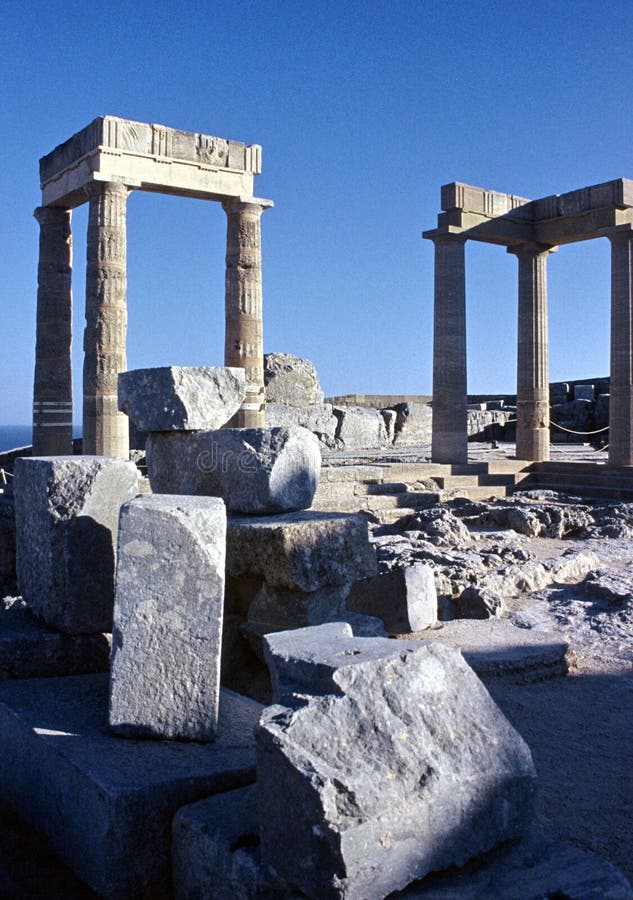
pixel 449 440
pixel 179 398
pixel 403 767
pixel 255 470
pixel 244 338
pixel 105 429
pixel 621 390
pixel 52 391
pixel 167 632
pixel 67 517
pixel 532 433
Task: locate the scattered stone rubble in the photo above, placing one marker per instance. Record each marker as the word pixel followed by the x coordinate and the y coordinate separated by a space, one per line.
pixel 381 761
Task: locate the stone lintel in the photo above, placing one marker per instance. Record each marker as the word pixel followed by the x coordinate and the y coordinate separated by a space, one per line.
pixel 149 157
pixel 504 229
pixel 583 226
pixel 487 203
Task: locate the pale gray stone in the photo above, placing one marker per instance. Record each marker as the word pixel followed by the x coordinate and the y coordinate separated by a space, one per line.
pixel 107 804
pixel 318 419
pixel 302 551
pixel 277 609
pixel 404 598
pixel 167 632
pixel 67 515
pixel 407 766
pixel 359 427
pixel 254 470
pixel 291 381
pixel 413 424
pixel 179 398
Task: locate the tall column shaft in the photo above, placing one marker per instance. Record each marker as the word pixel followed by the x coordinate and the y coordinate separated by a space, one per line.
pixel 105 429
pixel 621 390
pixel 52 388
pixel 244 337
pixel 532 442
pixel 450 439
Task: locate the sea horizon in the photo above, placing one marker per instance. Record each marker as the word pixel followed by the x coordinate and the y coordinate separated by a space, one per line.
pixel 14 436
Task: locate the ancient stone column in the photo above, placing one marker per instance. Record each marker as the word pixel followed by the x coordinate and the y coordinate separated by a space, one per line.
pixel 450 439
pixel 52 391
pixel 105 429
pixel 244 342
pixel 532 431
pixel 621 390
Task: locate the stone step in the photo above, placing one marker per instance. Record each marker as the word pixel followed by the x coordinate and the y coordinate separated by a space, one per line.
pixel 597 478
pixel 477 492
pixel 601 491
pixel 351 473
pixel 409 499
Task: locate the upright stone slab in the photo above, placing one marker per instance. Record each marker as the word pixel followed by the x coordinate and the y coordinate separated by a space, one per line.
pixel 167 633
pixel 405 767
pixel 405 598
pixel 254 470
pixel 67 514
pixel 178 398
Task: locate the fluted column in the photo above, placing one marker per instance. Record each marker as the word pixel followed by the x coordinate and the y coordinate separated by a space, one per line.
pixel 105 430
pixel 244 341
pixel 621 389
pixel 532 442
pixel 450 438
pixel 52 388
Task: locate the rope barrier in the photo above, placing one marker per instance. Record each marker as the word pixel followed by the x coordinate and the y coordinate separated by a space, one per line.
pixel 569 430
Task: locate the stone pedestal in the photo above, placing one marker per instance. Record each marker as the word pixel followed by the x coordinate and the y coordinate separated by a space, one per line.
pixel 105 429
pixel 449 442
pixel 532 441
pixel 244 342
pixel 621 402
pixel 52 391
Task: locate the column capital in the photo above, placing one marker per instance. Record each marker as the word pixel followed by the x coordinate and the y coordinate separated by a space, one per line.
pixel 620 235
pixel 253 205
pixel 48 214
pixel 95 189
pixel 531 248
pixel 440 234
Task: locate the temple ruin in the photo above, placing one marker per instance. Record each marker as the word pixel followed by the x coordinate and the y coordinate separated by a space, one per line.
pixel 530 229
pixel 101 165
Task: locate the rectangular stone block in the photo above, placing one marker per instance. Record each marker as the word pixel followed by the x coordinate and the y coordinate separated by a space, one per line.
pixel 404 598
pixel 167 632
pixel 302 551
pixel 106 804
pixel 67 516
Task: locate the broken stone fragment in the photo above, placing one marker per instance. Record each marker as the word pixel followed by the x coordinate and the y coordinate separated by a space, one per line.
pixel 178 398
pixel 254 470
pixel 291 381
pixel 67 517
pixel 405 767
pixel 167 634
pixel 404 598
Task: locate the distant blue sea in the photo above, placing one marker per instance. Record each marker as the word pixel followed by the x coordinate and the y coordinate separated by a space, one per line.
pixel 12 436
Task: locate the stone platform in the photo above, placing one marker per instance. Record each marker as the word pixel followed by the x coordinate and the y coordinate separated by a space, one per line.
pixel 496 647
pixel 106 803
pixel 30 649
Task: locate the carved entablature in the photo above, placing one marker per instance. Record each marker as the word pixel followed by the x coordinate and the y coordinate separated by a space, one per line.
pixel 148 157
pixel 507 219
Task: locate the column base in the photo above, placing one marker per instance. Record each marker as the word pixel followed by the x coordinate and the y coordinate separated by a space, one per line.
pixel 533 445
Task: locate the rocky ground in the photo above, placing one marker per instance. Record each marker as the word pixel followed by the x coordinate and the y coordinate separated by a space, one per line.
pixel 546 562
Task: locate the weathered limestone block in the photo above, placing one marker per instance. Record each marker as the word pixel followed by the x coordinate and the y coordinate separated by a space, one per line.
pixel 254 470
pixel 320 420
pixel 404 598
pixel 167 632
pixel 303 551
pixel 291 381
pixel 67 515
pixel 359 427
pixel 277 609
pixel 404 767
pixel 413 424
pixel 178 398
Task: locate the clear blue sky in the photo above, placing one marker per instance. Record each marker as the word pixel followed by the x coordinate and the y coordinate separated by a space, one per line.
pixel 363 109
